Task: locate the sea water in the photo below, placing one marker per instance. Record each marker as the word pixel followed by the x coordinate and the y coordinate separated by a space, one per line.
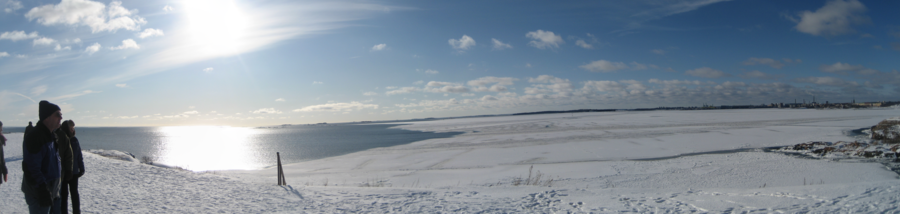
pixel 204 148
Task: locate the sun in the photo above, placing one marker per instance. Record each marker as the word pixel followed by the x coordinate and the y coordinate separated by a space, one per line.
pixel 216 27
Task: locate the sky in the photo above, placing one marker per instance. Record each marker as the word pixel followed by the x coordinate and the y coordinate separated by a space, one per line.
pixel 271 62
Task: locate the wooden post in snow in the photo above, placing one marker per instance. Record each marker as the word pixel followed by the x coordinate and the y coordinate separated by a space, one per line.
pixel 280 172
pixel 283 182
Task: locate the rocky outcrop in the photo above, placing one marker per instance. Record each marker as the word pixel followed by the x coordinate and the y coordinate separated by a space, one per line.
pixel 884 143
pixel 846 149
pixel 887 131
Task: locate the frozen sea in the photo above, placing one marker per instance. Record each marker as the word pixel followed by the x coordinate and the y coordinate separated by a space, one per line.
pixel 203 148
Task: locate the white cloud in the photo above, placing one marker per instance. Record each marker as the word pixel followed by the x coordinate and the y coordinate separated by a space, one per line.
pixel 122 85
pixel 758 75
pixel 845 68
pixel 429 71
pixel 604 66
pixel 93 14
pixel 581 43
pixel 38 90
pixel 488 98
pixel 668 8
pixel 544 85
pixel 93 48
pixel 73 41
pixel 12 6
pixel 60 47
pixel 215 35
pixel 603 86
pixel 488 80
pixel 18 35
pixel 126 44
pixel 765 61
pixel 788 60
pixel 463 43
pixel 544 39
pixel 379 47
pixel 639 66
pixel 498 45
pixel 827 81
pixel 70 96
pixel 445 87
pixel 209 69
pixel 280 100
pixel 168 8
pixel 499 83
pixel 151 32
pixel 675 82
pixel 404 90
pixel 658 51
pixel 266 111
pixel 706 72
pixel 370 93
pixel 433 105
pixel 4 54
pixel 835 18
pixel 192 107
pixel 191 112
pixel 317 83
pixel 43 41
pixel 345 107
pixel 729 85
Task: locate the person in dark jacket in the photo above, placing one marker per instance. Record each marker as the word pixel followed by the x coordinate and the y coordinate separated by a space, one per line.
pixel 65 153
pixel 28 128
pixel 3 171
pixel 40 162
pixel 71 185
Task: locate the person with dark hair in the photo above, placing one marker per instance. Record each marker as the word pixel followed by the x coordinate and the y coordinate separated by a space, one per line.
pixel 65 154
pixel 28 128
pixel 68 127
pixel 3 171
pixel 40 162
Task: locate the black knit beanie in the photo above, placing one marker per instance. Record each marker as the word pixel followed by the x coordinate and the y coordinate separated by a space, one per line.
pixel 46 109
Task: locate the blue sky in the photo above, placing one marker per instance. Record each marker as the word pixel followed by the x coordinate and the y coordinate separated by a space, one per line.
pixel 252 63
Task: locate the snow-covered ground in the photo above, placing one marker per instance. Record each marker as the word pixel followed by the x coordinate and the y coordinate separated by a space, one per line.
pixel 658 161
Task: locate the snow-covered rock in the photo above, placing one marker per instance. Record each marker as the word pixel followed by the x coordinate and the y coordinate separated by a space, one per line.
pixel 887 131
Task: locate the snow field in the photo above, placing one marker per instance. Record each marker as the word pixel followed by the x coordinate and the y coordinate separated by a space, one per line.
pixel 596 152
pixel 594 160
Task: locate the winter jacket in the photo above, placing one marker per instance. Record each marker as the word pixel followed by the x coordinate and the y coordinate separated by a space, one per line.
pixel 3 170
pixel 28 128
pixel 77 158
pixel 41 164
pixel 65 150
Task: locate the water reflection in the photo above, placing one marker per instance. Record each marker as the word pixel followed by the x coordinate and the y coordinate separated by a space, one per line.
pixel 203 148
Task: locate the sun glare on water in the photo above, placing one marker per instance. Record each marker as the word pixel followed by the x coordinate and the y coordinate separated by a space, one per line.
pixel 216 26
pixel 204 148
